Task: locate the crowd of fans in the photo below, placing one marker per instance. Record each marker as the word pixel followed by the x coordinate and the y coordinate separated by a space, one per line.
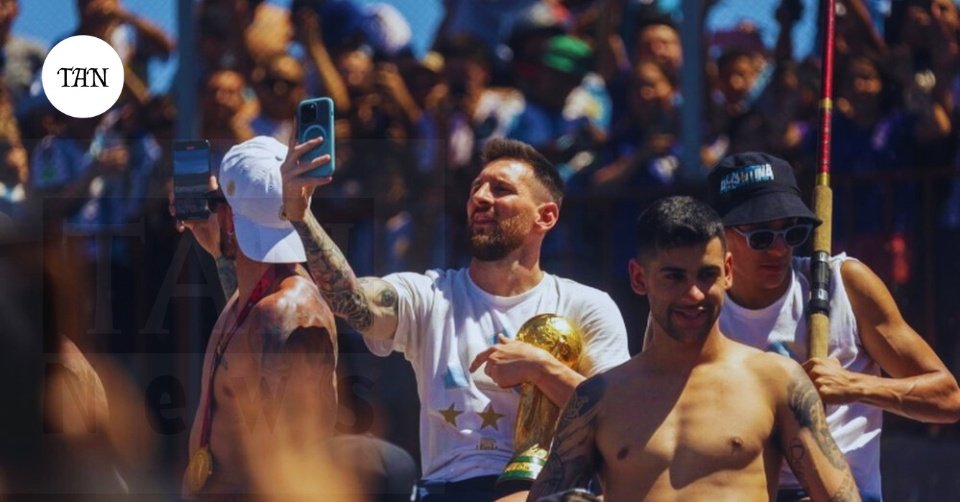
pixel 593 84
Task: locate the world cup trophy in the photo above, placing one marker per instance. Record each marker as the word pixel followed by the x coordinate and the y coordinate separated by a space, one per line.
pixel 537 415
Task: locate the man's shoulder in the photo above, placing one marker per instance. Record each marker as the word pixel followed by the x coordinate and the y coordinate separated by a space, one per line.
pixel 620 373
pixel 292 292
pixel 433 278
pixel 296 302
pixel 579 289
pixel 593 390
pixel 767 366
pixel 802 263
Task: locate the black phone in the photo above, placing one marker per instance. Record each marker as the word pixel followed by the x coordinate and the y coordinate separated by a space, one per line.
pixel 191 179
pixel 315 119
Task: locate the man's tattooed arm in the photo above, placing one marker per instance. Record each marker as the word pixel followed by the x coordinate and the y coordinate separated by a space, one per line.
pixel 369 305
pixel 812 453
pixel 573 456
pixel 227 270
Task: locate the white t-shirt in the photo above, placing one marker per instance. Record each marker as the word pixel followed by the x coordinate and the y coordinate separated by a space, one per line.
pixel 445 320
pixel 782 327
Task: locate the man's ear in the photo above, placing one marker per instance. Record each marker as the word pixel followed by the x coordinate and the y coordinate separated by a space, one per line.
pixel 728 270
pixel 638 281
pixel 547 215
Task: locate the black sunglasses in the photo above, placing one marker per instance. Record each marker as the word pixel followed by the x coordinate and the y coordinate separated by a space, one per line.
pixel 763 238
pixel 280 85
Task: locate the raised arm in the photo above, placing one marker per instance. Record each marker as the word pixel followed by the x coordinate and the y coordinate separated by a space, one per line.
pixel 574 456
pixel 207 234
pixel 312 40
pixel 155 41
pixel 369 304
pixel 919 386
pixel 809 448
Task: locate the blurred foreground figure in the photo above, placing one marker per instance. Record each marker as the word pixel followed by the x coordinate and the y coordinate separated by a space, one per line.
pixel 56 438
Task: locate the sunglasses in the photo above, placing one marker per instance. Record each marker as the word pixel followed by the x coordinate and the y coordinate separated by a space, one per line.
pixel 280 85
pixel 763 238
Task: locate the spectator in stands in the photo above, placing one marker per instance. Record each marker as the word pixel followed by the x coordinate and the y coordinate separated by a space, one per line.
pixel 221 25
pixel 567 108
pixel 135 39
pixel 22 58
pixel 322 77
pixel 643 145
pixel 871 135
pixel 489 21
pixel 278 82
pixel 269 33
pixel 224 113
pixel 657 38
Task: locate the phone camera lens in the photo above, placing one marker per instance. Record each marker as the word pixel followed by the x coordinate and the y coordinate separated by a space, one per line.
pixel 309 114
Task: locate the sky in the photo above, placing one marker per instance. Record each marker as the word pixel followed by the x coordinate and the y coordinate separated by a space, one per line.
pixel 49 20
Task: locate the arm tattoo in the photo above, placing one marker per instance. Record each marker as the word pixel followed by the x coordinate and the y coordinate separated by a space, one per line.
pixel 796 454
pixel 809 412
pixel 294 359
pixel 385 296
pixel 388 298
pixel 273 361
pixel 333 275
pixel 846 493
pixel 573 455
pixel 227 270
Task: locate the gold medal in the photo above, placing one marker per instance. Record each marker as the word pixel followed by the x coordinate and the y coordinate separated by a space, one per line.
pixel 199 469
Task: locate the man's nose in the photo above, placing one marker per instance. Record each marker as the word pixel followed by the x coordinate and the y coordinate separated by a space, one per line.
pixel 694 293
pixel 779 245
pixel 482 194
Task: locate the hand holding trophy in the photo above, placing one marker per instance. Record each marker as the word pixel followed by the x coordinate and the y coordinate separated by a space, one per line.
pixel 537 415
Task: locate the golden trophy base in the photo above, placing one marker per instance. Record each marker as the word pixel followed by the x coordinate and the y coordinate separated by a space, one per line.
pixel 524 467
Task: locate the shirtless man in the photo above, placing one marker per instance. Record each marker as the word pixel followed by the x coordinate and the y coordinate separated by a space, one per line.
pixel 274 385
pixel 695 416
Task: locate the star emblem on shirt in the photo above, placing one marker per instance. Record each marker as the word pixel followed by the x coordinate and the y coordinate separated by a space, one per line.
pixel 450 415
pixel 490 417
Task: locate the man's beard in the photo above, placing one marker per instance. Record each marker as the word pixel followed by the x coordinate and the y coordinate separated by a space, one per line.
pixel 686 334
pixel 499 241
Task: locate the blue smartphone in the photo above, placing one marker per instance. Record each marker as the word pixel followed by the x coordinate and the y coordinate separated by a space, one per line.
pixel 315 119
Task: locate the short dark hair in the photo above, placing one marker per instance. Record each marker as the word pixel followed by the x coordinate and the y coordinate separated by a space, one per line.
pixel 731 55
pixel 654 19
pixel 674 222
pixel 543 170
pixel 464 46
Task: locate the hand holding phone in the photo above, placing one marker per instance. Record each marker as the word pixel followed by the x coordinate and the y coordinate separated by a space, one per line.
pixel 191 179
pixel 315 119
pixel 205 232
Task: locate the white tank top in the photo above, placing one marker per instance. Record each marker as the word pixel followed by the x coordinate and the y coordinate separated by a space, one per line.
pixel 782 327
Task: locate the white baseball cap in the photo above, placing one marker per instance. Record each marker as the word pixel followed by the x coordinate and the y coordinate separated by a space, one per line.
pixel 250 180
